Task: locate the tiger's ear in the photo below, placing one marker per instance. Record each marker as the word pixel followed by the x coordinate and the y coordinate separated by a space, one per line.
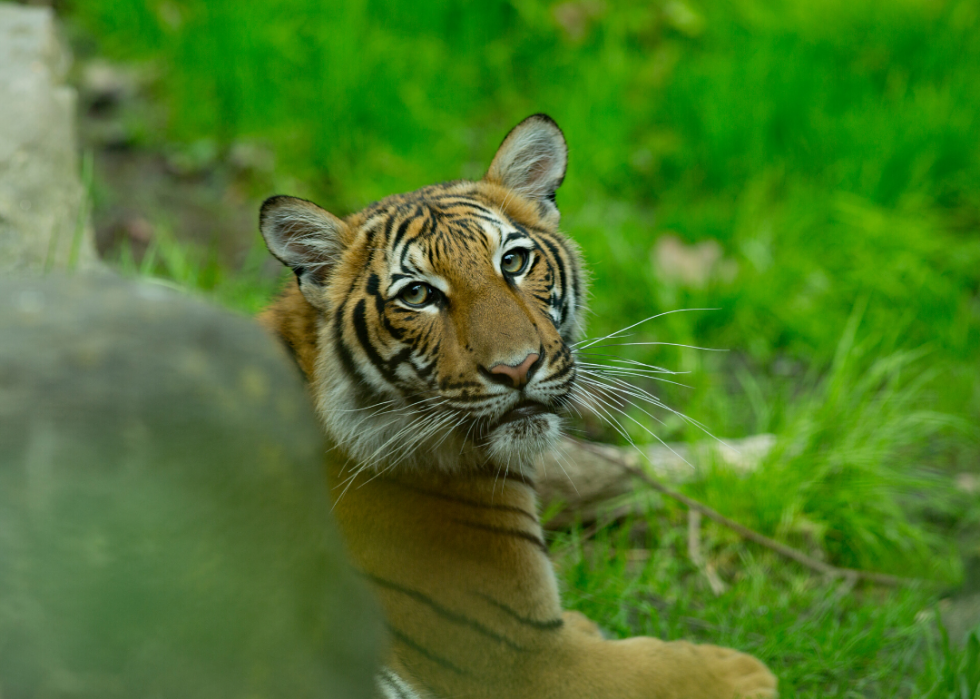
pixel 532 159
pixel 306 238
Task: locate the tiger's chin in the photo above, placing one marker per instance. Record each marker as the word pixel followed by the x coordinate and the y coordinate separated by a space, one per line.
pixel 522 435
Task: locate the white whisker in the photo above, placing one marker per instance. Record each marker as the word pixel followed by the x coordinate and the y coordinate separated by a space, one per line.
pixel 641 425
pixel 668 344
pixel 618 333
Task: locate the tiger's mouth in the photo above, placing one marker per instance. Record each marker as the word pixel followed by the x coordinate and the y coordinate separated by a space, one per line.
pixel 522 411
pixel 527 429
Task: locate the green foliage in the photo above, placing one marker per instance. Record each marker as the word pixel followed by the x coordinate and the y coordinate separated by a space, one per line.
pixel 181 266
pixel 828 149
pixel 958 677
pixel 820 639
pixel 847 470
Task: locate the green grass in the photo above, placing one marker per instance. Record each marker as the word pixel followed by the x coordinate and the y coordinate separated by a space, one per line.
pixel 830 151
pixel 821 638
pixel 848 457
pixel 190 268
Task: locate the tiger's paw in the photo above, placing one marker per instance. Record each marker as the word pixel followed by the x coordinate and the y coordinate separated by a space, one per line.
pixel 742 676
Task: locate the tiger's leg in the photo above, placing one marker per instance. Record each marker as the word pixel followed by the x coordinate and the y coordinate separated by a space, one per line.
pixel 582 665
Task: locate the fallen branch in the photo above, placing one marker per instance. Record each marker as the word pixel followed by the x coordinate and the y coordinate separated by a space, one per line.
pixel 849 574
pixel 590 487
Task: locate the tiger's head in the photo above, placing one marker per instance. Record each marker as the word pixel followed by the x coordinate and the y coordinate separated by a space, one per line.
pixel 436 326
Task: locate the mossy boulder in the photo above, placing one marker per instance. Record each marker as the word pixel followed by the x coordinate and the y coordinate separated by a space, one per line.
pixel 165 528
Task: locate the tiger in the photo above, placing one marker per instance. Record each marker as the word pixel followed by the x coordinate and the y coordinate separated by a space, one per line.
pixel 436 331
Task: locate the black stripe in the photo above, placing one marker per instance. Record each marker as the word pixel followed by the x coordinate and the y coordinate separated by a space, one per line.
pixel 400 357
pixel 396 333
pixel 466 398
pixel 361 330
pixel 576 277
pixel 561 372
pixel 363 391
pixel 569 302
pixel 471 503
pixel 426 227
pixel 508 475
pixel 455 199
pixel 402 227
pixel 534 263
pixel 443 612
pixel 347 361
pixel 418 682
pixel 369 234
pixel 520 478
pixel 424 652
pixel 426 369
pixel 451 208
pixel 505 531
pixel 546 625
pixel 559 263
pixel 447 385
pixel 471 215
pixel 403 265
pixel 429 221
pixel 373 288
pixel 463 211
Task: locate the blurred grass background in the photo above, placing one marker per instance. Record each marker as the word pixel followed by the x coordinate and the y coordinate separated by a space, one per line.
pixel 810 170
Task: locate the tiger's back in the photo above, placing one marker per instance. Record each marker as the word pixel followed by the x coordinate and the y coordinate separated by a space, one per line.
pixel 436 329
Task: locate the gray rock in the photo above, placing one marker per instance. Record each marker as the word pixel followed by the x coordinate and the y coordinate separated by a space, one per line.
pixel 164 521
pixel 43 210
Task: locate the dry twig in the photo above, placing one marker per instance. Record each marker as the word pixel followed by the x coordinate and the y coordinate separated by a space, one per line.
pixel 697 558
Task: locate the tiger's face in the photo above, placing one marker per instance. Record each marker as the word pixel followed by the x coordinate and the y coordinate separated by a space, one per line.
pixel 444 316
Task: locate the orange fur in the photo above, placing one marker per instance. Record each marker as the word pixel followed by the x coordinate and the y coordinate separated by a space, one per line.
pixel 293 320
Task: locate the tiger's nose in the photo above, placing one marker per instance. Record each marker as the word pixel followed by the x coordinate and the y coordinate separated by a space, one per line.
pixel 518 375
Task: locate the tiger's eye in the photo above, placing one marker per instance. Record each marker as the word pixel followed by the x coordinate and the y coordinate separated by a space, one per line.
pixel 513 262
pixel 416 294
